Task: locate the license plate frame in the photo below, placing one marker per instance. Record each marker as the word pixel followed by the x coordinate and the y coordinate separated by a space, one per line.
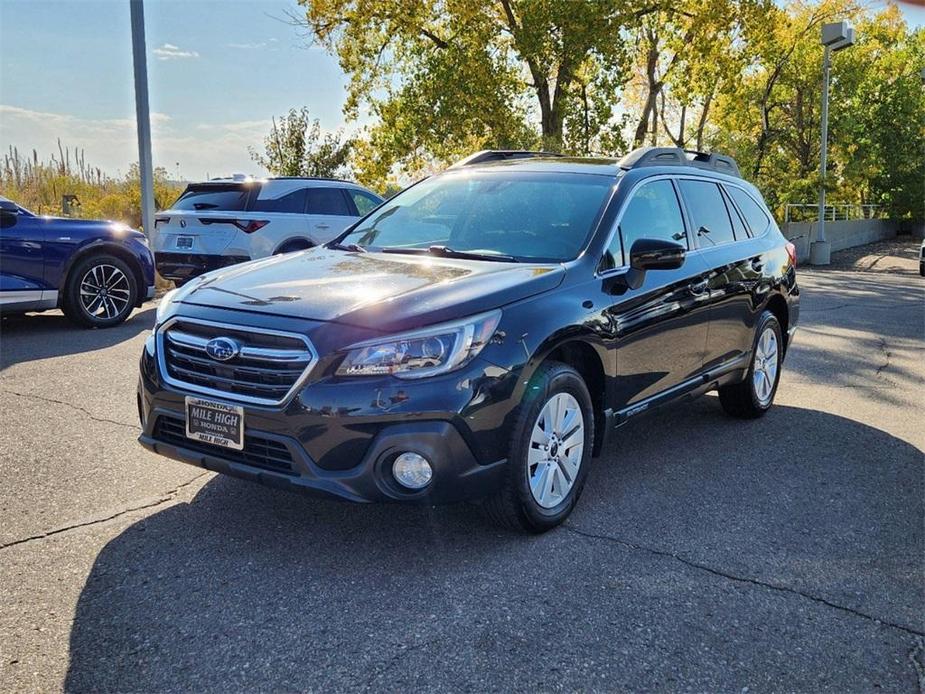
pixel 213 422
pixel 184 243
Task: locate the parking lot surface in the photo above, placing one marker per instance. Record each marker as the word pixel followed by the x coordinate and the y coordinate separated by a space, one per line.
pixel 706 553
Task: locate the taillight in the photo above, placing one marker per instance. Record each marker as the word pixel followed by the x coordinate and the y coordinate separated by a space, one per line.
pixel 160 220
pixel 792 252
pixel 249 226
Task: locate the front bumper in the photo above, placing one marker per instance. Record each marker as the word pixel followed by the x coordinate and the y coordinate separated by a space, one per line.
pixel 339 440
pixel 185 266
pixel 457 475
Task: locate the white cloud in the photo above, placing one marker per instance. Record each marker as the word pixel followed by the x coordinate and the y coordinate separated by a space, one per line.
pixel 248 46
pixel 169 51
pixel 215 149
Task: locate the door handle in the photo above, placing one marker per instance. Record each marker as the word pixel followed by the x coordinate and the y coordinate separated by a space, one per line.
pixel 698 288
pixel 322 226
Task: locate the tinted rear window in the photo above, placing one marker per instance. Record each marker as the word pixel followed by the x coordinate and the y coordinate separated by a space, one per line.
pixel 326 201
pixel 231 197
pixel 293 202
pixel 755 217
pixel 709 217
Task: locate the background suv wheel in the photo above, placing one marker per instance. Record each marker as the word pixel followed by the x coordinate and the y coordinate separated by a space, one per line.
pixel 550 452
pixel 101 291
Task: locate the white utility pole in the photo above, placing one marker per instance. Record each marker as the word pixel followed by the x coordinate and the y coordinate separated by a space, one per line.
pixel 142 117
pixel 835 37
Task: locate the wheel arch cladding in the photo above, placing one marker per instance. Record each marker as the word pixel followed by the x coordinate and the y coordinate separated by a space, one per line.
pixel 582 357
pixel 778 306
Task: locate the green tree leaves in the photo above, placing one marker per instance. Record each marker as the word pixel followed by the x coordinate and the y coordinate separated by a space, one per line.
pixel 297 147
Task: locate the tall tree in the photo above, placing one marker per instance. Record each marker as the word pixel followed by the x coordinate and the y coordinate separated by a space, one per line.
pixel 444 77
pixel 296 146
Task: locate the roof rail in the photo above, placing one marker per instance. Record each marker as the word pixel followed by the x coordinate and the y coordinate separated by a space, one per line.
pixel 487 155
pixel 675 156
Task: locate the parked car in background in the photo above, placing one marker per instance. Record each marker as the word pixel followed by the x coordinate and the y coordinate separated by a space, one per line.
pixel 922 259
pixel 95 271
pixel 228 221
pixel 481 335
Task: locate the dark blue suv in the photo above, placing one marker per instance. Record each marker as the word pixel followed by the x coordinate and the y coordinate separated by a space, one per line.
pixel 94 271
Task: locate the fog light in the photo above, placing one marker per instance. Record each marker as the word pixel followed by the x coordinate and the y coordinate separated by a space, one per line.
pixel 412 471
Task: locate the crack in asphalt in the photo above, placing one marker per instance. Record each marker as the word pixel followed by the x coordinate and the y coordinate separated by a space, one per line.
pixel 916 656
pixel 169 495
pixel 391 662
pixel 78 408
pixel 887 353
pixel 741 579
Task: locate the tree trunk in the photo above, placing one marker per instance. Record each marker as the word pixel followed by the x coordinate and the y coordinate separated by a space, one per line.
pixel 653 88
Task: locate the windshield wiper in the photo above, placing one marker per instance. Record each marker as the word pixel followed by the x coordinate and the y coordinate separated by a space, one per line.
pixel 347 247
pixel 445 252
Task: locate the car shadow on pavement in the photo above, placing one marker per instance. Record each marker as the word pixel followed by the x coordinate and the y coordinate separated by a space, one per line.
pixel 37 336
pixel 652 581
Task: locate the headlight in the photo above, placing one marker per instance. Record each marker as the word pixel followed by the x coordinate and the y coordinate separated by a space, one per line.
pixel 422 353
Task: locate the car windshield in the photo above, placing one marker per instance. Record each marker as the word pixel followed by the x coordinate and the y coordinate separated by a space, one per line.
pixel 543 217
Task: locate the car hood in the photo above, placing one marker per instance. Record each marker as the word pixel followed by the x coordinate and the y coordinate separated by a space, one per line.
pixel 101 227
pixel 382 291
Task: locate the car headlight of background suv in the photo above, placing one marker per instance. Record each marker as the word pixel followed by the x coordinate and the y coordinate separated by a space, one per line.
pixel 422 353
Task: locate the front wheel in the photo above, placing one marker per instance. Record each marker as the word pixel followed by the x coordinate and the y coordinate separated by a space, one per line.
pixel 100 292
pixel 753 397
pixel 550 452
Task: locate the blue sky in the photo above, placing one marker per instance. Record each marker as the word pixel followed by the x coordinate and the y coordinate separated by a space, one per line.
pixel 218 71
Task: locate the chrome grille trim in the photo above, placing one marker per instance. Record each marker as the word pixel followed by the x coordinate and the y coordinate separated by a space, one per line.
pixel 290 368
pixel 195 342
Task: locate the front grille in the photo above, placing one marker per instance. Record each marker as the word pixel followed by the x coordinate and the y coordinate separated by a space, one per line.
pixel 268 367
pixel 259 452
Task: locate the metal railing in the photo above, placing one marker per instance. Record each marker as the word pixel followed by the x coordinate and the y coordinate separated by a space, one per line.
pixel 809 212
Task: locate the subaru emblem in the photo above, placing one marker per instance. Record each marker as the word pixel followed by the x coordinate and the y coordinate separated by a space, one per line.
pixel 222 348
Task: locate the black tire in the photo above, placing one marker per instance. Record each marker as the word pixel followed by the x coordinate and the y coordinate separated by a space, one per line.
pixel 514 505
pixel 922 269
pixel 742 400
pixel 121 301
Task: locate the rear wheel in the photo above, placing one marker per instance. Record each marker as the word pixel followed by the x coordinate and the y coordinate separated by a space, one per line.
pixel 754 396
pixel 100 292
pixel 550 452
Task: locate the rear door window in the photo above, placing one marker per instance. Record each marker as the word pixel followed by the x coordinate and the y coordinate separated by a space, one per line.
pixel 326 201
pixel 755 217
pixel 709 217
pixel 293 203
pixel 230 197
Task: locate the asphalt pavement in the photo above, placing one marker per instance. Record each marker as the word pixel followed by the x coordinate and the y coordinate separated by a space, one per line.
pixel 707 554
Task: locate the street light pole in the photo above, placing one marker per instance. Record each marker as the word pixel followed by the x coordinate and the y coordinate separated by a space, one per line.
pixel 142 117
pixel 835 37
pixel 823 153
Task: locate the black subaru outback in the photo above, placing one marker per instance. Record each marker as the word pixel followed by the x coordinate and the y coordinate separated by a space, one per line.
pixel 481 335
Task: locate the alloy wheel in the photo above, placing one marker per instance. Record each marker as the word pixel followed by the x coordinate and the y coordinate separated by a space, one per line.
pixel 104 291
pixel 764 373
pixel 556 445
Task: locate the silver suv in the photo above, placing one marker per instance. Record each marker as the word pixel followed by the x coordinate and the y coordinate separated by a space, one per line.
pixel 232 220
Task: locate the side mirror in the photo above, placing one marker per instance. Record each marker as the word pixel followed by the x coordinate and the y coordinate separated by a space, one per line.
pixel 8 207
pixel 656 254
